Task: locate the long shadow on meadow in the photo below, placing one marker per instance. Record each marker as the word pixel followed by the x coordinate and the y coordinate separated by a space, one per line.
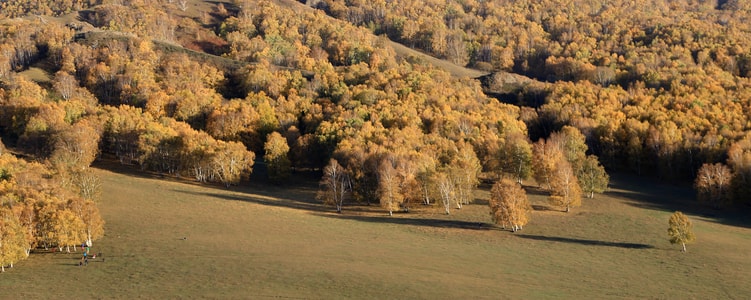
pixel 584 242
pixel 261 199
pixel 644 193
pixel 429 222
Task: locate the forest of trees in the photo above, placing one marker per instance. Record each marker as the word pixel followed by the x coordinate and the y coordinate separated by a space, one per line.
pixel 659 88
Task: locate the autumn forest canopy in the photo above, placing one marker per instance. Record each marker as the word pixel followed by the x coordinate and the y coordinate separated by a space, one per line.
pixel 208 90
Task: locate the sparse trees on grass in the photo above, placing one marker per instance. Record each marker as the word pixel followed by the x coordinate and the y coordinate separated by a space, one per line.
pixel 680 230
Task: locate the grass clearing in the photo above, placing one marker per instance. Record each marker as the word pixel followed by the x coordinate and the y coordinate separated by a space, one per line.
pixel 274 242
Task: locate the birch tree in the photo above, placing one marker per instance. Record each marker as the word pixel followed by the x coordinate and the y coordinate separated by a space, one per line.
pixel 89 185
pixel 465 170
pixel 389 192
pixel 515 157
pixel 713 184
pixel 231 161
pixel 335 185
pixel 509 204
pixel 592 176
pixel 13 243
pixel 564 186
pixel 546 157
pixel 446 188
pixel 680 230
pixel 426 178
pixel 87 212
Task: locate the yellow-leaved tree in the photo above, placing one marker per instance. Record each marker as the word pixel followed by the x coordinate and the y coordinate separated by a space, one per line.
pixel 388 186
pixel 231 162
pixel 13 243
pixel 509 204
pixel 680 230
pixel 277 162
pixel 564 186
pixel 592 176
pixel 712 184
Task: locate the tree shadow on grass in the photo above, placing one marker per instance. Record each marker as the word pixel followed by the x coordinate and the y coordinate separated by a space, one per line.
pixel 539 207
pixel 438 223
pixel 644 192
pixel 535 190
pixel 299 192
pixel 262 199
pixel 584 242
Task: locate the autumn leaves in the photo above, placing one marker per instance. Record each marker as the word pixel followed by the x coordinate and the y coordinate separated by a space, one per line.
pixel 446 177
pixel 41 209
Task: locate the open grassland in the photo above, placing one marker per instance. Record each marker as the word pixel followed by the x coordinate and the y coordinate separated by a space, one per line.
pixel 273 242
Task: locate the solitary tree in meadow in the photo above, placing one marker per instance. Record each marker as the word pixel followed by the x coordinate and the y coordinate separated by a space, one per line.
pixel 680 230
pixel 509 204
pixel 592 176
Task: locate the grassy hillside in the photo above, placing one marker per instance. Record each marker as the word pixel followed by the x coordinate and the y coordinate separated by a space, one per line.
pixel 274 242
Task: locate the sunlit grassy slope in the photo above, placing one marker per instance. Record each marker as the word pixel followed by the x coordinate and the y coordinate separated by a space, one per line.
pixel 167 239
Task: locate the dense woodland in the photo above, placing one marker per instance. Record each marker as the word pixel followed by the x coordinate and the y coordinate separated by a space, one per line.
pixel 205 90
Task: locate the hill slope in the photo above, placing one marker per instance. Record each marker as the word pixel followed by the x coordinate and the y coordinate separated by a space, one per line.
pixel 168 239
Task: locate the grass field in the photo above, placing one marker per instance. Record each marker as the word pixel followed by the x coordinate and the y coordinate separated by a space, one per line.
pixel 261 242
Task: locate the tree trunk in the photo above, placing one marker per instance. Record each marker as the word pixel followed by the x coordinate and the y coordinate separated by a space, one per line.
pixel 391 213
pixel 591 195
pixel 684 247
pixel 568 208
